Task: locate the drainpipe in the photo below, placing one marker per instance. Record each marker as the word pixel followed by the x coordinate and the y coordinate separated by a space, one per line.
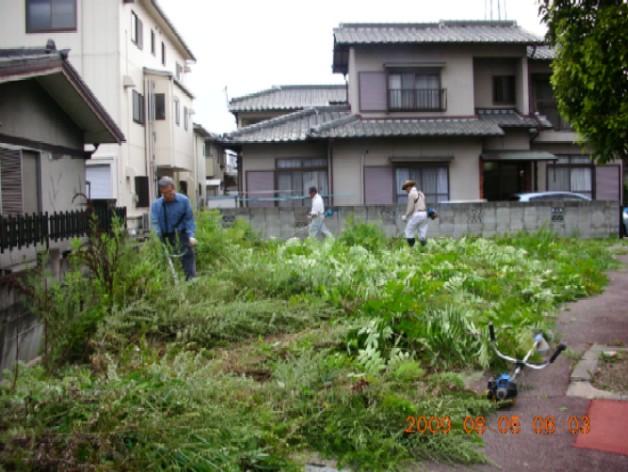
pixel 366 151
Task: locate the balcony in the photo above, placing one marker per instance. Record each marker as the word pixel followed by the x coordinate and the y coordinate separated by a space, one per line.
pixel 417 99
pixel 549 109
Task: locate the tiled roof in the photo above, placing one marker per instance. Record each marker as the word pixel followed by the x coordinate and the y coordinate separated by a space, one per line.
pixel 290 97
pixel 544 53
pixel 509 118
pixel 380 128
pixel 441 32
pixel 293 127
pixel 338 122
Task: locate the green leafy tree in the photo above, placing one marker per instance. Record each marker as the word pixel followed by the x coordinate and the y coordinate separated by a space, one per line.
pixel 590 67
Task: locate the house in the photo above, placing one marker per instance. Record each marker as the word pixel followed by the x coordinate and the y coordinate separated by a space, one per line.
pixel 51 125
pixel 462 107
pixel 136 63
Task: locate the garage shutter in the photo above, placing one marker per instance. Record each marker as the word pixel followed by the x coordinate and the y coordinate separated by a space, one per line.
pixel 11 181
pixel 378 185
pixel 607 182
pixel 99 178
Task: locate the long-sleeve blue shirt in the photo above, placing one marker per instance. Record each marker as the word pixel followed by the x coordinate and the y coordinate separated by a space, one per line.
pixel 165 215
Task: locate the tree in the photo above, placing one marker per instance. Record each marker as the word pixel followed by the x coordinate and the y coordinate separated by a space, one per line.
pixel 590 70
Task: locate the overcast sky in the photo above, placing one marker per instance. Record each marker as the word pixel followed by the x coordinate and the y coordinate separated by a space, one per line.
pixel 251 45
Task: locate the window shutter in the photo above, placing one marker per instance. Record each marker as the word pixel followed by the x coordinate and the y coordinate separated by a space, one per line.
pixel 378 185
pixel 607 183
pixel 260 184
pixel 11 181
pixel 141 190
pixel 373 91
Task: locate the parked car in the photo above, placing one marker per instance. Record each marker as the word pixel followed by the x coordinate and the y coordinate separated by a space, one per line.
pixel 554 196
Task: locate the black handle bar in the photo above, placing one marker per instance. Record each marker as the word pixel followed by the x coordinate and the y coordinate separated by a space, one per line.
pixel 560 348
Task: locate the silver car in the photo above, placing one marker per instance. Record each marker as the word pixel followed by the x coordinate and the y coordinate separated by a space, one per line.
pixel 553 196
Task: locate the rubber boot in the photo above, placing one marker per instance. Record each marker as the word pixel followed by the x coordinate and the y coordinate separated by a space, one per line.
pixel 411 242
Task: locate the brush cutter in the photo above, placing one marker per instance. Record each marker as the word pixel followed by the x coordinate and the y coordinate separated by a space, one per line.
pixel 305 227
pixel 504 386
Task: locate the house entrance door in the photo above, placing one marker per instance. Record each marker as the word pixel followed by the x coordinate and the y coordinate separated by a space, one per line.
pixel 502 179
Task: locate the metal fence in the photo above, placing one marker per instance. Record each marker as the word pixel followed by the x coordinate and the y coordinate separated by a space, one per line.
pixel 18 231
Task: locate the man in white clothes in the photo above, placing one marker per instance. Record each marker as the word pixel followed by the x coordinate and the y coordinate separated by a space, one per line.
pixel 416 213
pixel 317 214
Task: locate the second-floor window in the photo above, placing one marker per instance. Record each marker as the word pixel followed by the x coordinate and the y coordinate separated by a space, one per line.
pixel 138 107
pixel 178 71
pixel 153 44
pixel 415 91
pixel 177 112
pixel 137 31
pixel 50 15
pixel 185 118
pixel 163 53
pixel 504 90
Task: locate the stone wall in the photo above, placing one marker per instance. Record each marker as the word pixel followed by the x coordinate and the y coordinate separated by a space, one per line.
pixel 596 219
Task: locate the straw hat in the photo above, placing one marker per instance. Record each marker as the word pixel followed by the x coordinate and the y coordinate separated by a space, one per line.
pixel 408 183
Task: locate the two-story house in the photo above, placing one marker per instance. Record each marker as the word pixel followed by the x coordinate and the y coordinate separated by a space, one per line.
pixel 457 106
pixel 136 62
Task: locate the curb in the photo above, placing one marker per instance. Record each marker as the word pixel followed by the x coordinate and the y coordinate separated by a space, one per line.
pixel 580 381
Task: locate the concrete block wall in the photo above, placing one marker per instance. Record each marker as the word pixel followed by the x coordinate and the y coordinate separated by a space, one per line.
pixel 596 219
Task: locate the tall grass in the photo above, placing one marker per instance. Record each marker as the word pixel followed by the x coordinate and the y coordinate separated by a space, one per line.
pixel 280 349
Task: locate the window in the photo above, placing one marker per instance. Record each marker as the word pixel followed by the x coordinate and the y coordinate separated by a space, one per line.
pixel 11 201
pixel 432 180
pixel 179 70
pixel 163 53
pixel 160 106
pixel 185 118
pixel 296 176
pixel 153 45
pixel 177 112
pixel 138 107
pixel 137 31
pixel 504 90
pixel 415 91
pixel 50 15
pixel 572 174
pixel 141 190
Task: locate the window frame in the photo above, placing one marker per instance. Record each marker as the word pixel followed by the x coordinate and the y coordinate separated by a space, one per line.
pixel 570 165
pixel 138 104
pixel 409 98
pixel 137 30
pixel 504 89
pixel 51 27
pixel 400 196
pixel 319 165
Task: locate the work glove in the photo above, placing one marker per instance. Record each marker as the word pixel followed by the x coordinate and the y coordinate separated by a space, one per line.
pixel 404 218
pixel 193 241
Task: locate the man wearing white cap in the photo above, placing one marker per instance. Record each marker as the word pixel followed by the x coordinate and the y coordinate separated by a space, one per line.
pixel 416 214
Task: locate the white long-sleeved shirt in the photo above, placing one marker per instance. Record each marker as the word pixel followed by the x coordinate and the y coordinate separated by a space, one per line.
pixel 318 207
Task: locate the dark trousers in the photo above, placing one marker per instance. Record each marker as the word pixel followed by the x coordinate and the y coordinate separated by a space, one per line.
pixel 178 245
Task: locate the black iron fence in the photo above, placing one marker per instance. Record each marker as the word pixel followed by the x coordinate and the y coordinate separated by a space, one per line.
pixel 18 231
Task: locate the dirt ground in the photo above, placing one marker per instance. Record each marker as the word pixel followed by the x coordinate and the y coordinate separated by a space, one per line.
pixel 612 373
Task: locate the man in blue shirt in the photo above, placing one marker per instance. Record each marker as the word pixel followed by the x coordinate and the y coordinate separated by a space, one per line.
pixel 173 221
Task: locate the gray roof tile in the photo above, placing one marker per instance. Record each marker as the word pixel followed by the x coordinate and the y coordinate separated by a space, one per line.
pixel 379 128
pixel 442 32
pixel 290 97
pixel 543 53
pixel 508 118
pixel 338 122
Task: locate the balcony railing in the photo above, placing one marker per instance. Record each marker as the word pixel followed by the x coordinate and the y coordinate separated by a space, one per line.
pixel 18 231
pixel 417 99
pixel 549 109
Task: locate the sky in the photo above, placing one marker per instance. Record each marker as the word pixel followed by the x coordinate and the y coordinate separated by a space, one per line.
pixel 246 46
